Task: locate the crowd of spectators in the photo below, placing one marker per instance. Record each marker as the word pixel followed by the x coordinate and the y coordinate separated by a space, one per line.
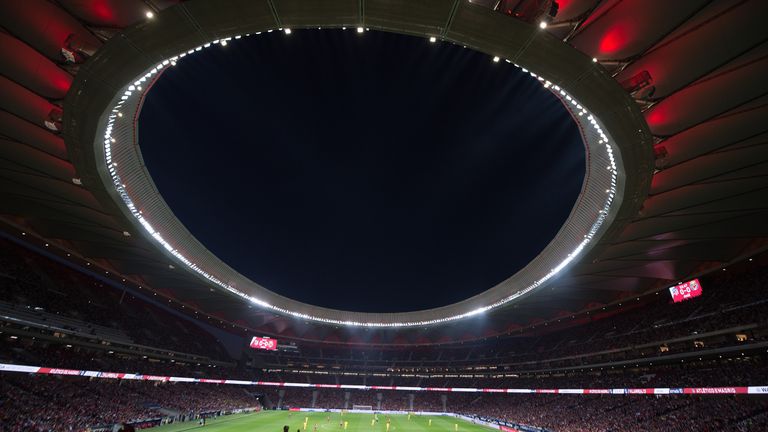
pixel 27 351
pixel 33 281
pixel 31 403
pixel 604 413
pixel 330 398
pixel 732 315
pixel 565 413
pixel 733 303
pixel 51 404
pixel 735 371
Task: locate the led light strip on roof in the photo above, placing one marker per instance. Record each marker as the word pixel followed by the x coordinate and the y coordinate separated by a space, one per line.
pixel 4 367
pixel 133 93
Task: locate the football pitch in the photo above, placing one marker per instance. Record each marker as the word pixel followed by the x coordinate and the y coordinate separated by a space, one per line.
pixel 273 421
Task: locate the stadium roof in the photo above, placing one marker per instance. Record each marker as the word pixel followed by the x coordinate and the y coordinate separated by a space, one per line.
pixel 702 209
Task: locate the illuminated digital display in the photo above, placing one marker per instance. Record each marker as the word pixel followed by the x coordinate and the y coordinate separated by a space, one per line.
pixel 264 343
pixel 685 291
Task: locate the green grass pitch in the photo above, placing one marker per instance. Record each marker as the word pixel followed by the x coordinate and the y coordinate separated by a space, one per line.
pixel 273 421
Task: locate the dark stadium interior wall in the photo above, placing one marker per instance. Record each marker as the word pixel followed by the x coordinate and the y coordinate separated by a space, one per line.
pixel 233 343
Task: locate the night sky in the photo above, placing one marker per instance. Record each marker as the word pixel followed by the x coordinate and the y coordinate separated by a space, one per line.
pixel 373 172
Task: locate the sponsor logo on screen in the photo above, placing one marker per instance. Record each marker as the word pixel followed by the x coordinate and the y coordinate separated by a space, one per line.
pixel 264 343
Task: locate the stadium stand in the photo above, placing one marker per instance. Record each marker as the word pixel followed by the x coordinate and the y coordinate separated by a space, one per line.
pixel 733 317
pixel 691 72
pixel 41 294
pixel 607 413
pixel 44 404
pixel 48 319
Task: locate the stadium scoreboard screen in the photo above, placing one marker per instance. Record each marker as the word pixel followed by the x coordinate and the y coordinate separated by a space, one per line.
pixel 264 343
pixel 685 291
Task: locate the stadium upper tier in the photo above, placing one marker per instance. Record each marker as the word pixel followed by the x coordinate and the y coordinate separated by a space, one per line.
pixel 56 316
pixel 693 213
pixel 40 295
pixel 53 315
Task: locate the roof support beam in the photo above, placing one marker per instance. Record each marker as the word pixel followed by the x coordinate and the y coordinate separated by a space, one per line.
pixel 273 9
pixel 449 22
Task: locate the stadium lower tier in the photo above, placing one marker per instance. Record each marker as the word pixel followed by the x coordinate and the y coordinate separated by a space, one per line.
pixel 30 403
pixel 39 403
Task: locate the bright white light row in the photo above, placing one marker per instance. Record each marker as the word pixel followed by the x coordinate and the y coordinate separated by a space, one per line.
pixel 29 369
pixel 136 89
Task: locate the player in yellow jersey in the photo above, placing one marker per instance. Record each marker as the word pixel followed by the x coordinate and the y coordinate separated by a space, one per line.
pixel 346 423
pixel 430 422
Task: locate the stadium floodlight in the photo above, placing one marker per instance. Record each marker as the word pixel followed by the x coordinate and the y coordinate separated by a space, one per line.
pixel 543 25
pixel 287 31
pixel 149 14
pixel 433 39
pixel 496 59
pixel 477 311
pixel 360 29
